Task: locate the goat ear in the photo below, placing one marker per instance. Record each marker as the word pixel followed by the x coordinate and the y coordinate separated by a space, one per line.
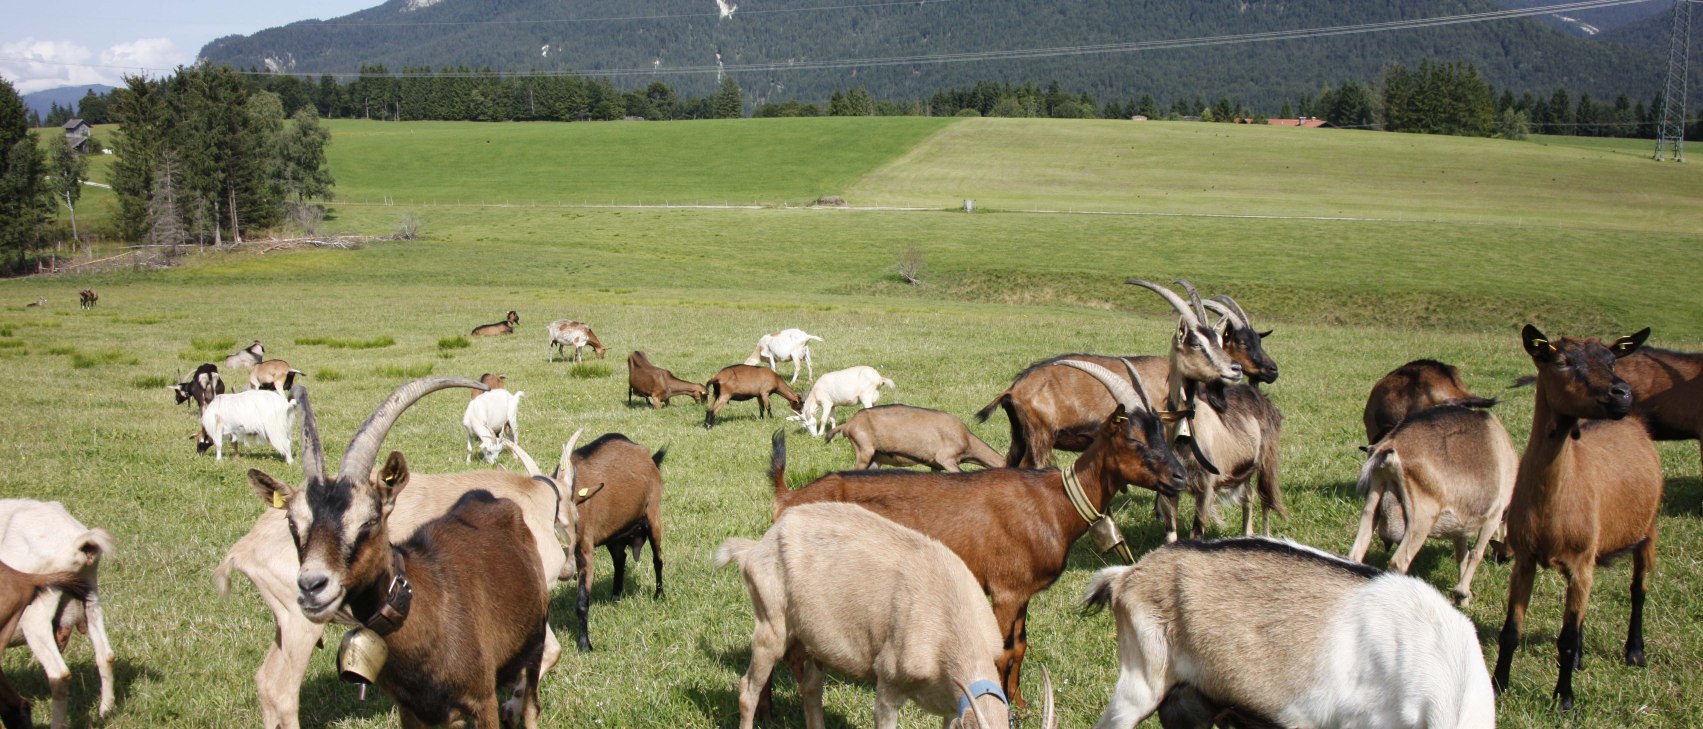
pixel 393 477
pixel 1627 345
pixel 1537 345
pixel 270 490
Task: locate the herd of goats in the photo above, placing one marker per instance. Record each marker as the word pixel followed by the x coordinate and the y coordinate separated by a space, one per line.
pixel 920 581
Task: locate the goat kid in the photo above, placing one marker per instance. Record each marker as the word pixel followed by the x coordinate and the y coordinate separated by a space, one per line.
pixel 253 355
pixel 490 418
pixel 902 435
pixel 656 384
pixel 246 417
pixel 17 591
pixel 506 326
pixel 200 386
pixel 860 384
pixel 275 374
pixel 783 346
pixel 569 333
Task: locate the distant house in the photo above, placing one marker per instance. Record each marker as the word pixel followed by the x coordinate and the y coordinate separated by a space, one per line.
pixel 77 134
pixel 1305 122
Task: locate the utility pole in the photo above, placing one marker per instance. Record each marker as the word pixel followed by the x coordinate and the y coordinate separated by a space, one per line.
pixel 1670 132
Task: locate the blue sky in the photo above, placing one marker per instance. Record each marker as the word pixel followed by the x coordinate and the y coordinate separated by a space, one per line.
pixel 43 46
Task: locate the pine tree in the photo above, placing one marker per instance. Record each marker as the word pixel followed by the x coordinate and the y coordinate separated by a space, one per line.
pixel 728 102
pixel 165 222
pixel 139 111
pixel 24 202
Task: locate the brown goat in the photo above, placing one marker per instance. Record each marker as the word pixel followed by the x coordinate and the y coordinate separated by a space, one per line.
pixel 1412 387
pixel 17 591
pixel 89 298
pixel 566 333
pixel 1667 391
pixel 1589 490
pixel 505 326
pixel 620 507
pixel 275 374
pixel 461 605
pixel 491 381
pixel 746 382
pixel 656 384
pixel 902 435
pixel 1012 527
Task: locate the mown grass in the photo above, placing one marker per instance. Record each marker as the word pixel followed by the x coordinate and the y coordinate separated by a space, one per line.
pixel 695 288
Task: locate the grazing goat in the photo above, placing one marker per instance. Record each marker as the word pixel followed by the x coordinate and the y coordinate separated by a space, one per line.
pixel 569 333
pixel 860 384
pixel 656 384
pixel 837 586
pixel 489 419
pixel 275 374
pixel 1589 490
pixel 89 298
pixel 200 386
pixel 253 355
pixel 1446 471
pixel 1412 387
pixel 248 416
pixel 17 591
pixel 620 507
pixel 1338 644
pixel 38 536
pixel 460 605
pixel 1052 407
pixel 782 346
pixel 901 435
pixel 506 326
pixel 1012 527
pixel 267 558
pixel 746 382
pixel 491 381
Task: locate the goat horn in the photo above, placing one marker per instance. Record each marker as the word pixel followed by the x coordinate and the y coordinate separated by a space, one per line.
pixel 363 448
pixel 1194 298
pixel 1049 720
pixel 1226 312
pixel 525 458
pixel 1122 391
pixel 1242 316
pixel 313 455
pixel 565 467
pixel 1140 391
pixel 1177 302
pixel 981 721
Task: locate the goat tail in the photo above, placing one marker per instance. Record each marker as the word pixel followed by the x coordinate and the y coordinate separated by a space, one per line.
pixel 71 582
pixel 732 550
pixel 983 414
pixel 888 383
pixel 1270 495
pixel 1480 403
pixel 777 467
pixel 1099 595
pixel 1375 460
pixel 657 457
pixel 91 546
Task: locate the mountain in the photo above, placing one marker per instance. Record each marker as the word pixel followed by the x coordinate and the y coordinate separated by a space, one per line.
pixel 1590 23
pixel 681 44
pixel 1655 32
pixel 66 96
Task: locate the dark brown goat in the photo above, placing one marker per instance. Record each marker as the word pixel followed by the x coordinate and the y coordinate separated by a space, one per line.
pixel 656 384
pixel 461 605
pixel 492 381
pixel 505 326
pixel 902 435
pixel 17 590
pixel 1012 527
pixel 1412 387
pixel 89 298
pixel 620 507
pixel 1589 489
pixel 201 386
pixel 746 382
pixel 1667 391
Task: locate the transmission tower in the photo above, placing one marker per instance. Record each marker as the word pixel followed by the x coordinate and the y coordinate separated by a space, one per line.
pixel 1670 136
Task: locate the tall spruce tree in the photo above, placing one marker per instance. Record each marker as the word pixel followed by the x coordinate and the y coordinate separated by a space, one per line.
pixel 24 202
pixel 728 102
pixel 302 158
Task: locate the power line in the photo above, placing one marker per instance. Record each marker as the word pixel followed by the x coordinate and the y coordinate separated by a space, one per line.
pixel 611 19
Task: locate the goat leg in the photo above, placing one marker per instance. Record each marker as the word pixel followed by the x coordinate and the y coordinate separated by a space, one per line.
pixel 1641 561
pixel 1519 597
pixel 582 603
pixel 617 552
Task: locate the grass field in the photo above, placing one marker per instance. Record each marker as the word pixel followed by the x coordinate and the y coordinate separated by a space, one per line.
pixel 1465 240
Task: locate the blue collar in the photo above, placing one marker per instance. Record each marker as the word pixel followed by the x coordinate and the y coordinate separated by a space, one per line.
pixel 978 689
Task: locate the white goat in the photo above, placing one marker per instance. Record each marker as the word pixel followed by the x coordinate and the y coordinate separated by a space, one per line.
pixel 1337 643
pixel 838 586
pixel 860 384
pixel 490 418
pixel 783 346
pixel 38 536
pixel 248 416
pixel 569 333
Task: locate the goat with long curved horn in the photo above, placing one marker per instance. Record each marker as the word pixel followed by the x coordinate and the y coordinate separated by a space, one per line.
pixel 1194 298
pixel 1127 394
pixel 358 459
pixel 1177 302
pixel 1232 315
pixel 1241 316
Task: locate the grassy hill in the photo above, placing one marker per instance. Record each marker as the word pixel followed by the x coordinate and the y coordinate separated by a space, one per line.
pixel 1459 242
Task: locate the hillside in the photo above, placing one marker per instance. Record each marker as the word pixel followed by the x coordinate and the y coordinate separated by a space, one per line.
pixel 67 96
pixel 646 38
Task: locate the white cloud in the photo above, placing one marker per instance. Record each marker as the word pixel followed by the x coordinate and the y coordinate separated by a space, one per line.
pixel 34 65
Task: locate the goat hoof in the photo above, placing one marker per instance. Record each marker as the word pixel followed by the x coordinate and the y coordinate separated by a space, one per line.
pixel 584 645
pixel 1635 657
pixel 1566 703
pixel 658 596
pixel 1462 597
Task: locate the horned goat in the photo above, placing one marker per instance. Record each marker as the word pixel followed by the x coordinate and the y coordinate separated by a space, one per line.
pixel 248 416
pixel 836 586
pixel 1412 387
pixel 489 419
pixel 38 536
pixel 275 374
pixel 783 346
pixel 200 386
pixel 506 326
pixel 860 384
pixel 253 355
pixel 656 384
pixel 17 591
pixel 746 382
pixel 1445 471
pixel 569 333
pixel 1337 643
pixel 1589 489
pixel 902 435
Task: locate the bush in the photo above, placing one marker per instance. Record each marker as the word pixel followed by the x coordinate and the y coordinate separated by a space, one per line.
pixel 967 112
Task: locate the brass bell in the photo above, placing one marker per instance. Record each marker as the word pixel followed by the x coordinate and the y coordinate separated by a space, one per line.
pixel 361 656
pixel 1105 534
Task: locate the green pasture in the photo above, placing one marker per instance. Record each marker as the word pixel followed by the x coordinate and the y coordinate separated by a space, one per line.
pixel 1459 253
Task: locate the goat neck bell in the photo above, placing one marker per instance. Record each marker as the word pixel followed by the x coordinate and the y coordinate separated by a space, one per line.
pixel 361 657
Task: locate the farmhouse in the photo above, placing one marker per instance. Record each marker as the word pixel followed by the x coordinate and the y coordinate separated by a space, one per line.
pixel 77 134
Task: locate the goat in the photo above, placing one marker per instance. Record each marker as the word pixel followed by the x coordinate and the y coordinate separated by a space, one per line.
pixel 746 382
pixel 1445 471
pixel 569 333
pixel 1338 643
pixel 506 326
pixel 902 435
pixel 254 354
pixel 1667 391
pixel 491 417
pixel 1412 387
pixel 1589 489
pixel 1012 527
pixel 491 381
pixel 89 298
pixel 247 416
pixel 860 384
pixel 39 302
pixel 656 384
pixel 38 536
pixel 785 345
pixel 200 386
pixel 266 557
pixel 837 586
pixel 461 604
pixel 623 510
pixel 275 374
pixel 1052 407
pixel 17 591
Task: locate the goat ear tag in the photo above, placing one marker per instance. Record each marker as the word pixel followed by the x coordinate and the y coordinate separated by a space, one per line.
pixel 277 500
pixel 584 492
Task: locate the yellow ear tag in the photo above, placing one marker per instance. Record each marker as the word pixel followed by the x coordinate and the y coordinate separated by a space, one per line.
pixel 583 492
pixel 1540 343
pixel 277 500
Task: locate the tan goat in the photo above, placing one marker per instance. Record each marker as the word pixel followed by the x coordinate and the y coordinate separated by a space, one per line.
pixel 275 374
pixel 902 435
